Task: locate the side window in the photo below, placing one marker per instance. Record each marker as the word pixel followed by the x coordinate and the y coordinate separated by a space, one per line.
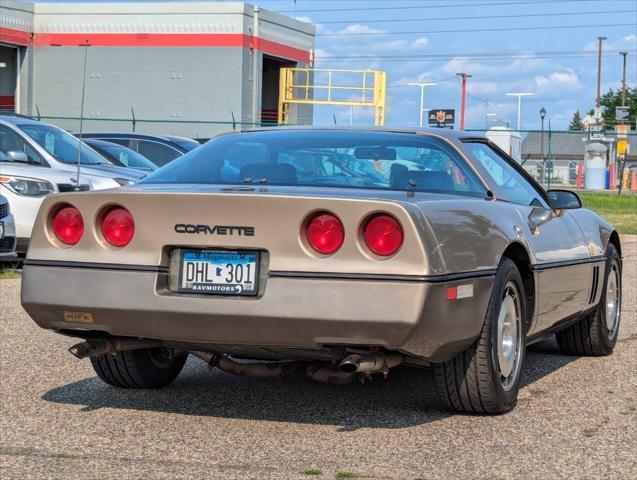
pixel 10 141
pixel 123 157
pixel 157 153
pixel 514 186
pixel 120 141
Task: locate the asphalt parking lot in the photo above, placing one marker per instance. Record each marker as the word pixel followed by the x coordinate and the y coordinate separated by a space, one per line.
pixel 576 418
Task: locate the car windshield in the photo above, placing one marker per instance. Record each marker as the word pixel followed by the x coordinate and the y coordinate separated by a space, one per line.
pixel 62 145
pixel 127 157
pixel 358 159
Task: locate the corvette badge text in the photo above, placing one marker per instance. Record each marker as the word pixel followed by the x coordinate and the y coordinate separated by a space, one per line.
pixel 230 230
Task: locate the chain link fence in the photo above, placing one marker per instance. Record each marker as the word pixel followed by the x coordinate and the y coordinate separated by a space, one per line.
pixel 553 157
pixel 566 158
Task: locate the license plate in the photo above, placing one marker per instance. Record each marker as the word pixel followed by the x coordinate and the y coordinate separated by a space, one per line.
pixel 219 272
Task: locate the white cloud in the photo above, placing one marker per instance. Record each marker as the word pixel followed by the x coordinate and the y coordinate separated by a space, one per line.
pixel 557 80
pixel 357 28
pixel 320 54
pixel 419 43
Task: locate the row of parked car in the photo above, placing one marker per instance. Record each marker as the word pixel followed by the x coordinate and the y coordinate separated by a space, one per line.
pixel 38 159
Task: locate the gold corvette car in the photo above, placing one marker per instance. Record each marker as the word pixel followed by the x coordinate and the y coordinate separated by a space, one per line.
pixel 338 253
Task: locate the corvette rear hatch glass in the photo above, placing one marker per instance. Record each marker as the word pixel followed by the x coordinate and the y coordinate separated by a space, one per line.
pixel 365 159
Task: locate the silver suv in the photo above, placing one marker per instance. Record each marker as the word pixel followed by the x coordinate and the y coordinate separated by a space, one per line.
pixel 25 140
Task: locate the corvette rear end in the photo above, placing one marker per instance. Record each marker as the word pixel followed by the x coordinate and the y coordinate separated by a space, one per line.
pixel 339 253
pixel 244 272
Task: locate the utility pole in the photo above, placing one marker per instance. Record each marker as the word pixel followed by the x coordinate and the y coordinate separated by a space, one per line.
pixel 623 54
pixel 422 96
pixel 622 156
pixel 463 97
pixel 486 115
pixel 598 101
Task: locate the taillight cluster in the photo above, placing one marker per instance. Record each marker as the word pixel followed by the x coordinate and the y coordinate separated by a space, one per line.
pixel 118 226
pixel 115 225
pixel 68 225
pixel 381 234
pixel 325 233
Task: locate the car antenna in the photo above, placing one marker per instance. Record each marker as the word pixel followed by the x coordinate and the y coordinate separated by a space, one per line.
pixel 79 145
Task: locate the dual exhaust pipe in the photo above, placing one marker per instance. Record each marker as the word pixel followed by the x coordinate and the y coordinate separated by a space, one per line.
pixel 346 371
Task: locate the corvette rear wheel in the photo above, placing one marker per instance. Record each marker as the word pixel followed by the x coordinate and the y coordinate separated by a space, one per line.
pixel 143 368
pixel 596 334
pixel 485 378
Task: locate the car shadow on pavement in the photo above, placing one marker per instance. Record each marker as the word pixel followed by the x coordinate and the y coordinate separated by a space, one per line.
pixel 407 398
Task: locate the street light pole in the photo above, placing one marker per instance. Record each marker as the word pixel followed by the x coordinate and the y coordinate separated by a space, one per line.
pixel 519 95
pixel 422 96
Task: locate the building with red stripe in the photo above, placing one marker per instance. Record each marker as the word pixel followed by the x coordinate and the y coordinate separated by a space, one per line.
pixel 176 62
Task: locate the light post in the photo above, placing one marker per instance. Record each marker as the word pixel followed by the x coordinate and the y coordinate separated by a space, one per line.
pixel 542 115
pixel 519 95
pixel 422 96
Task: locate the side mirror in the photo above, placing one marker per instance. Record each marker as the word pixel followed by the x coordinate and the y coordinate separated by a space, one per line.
pixel 14 156
pixel 563 200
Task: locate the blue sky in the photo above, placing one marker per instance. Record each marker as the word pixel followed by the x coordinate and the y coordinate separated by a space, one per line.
pixel 561 82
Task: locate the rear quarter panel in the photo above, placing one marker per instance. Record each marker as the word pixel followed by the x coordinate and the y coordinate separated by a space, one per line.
pixel 469 234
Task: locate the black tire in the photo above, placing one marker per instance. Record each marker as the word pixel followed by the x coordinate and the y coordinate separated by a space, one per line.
pixel 143 368
pixel 472 382
pixel 591 336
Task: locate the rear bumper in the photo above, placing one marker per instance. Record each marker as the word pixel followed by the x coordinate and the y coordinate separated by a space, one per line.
pixel 404 315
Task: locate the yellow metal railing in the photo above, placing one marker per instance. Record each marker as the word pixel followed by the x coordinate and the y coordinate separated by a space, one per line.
pixel 298 86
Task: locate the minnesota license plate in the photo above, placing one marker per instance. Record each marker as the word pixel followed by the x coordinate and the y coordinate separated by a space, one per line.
pixel 219 272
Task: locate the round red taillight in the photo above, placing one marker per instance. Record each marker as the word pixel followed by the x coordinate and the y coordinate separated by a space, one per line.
pixel 68 225
pixel 383 235
pixel 118 227
pixel 325 233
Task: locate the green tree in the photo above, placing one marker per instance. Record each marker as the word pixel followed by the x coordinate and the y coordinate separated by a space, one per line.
pixel 612 99
pixel 576 122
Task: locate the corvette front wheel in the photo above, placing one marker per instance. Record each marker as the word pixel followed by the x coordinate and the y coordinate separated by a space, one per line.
pixel 485 378
pixel 143 368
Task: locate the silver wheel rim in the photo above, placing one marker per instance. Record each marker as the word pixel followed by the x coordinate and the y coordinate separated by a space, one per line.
pixel 613 300
pixel 509 341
